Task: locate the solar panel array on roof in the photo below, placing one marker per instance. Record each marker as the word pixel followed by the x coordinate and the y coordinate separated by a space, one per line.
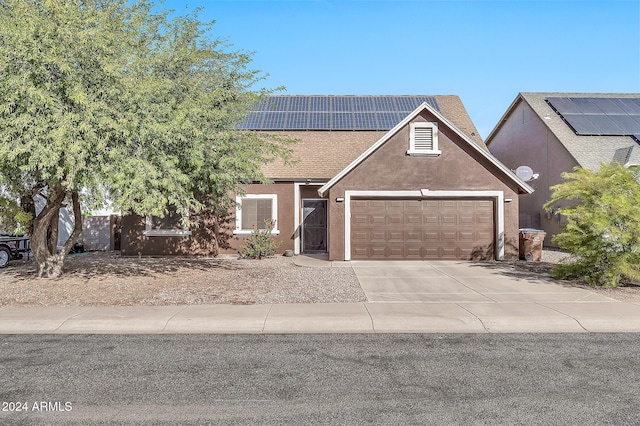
pixel 318 112
pixel 599 116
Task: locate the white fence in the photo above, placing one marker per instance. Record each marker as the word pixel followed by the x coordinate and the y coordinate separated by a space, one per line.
pixel 98 232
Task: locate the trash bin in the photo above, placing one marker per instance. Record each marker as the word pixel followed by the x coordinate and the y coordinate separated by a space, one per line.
pixel 531 244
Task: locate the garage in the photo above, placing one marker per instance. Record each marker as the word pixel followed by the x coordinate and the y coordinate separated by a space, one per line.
pixel 429 229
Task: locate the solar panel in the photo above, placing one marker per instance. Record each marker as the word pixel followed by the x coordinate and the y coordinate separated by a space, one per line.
pixel 342 103
pixel 607 106
pixel 363 104
pixel 342 120
pixel 384 103
pixel 277 103
pixel 605 124
pixel 297 120
pixel 319 104
pixel 629 123
pixel 387 120
pixel 365 121
pixel 629 105
pixel 299 103
pixel 336 112
pixel 406 104
pixel 273 120
pixel 609 116
pixel 586 106
pixel 564 106
pixel 581 124
pixel 319 120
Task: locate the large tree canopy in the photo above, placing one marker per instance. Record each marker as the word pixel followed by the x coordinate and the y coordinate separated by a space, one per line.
pixel 111 99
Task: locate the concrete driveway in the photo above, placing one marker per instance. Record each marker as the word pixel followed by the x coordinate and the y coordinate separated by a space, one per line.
pixel 461 282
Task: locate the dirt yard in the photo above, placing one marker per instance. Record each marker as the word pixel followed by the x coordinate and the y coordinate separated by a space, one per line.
pixel 105 278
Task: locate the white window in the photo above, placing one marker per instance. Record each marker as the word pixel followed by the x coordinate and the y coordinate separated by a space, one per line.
pixel 252 211
pixel 423 139
pixel 168 225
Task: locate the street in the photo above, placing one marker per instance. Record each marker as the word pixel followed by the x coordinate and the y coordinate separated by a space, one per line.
pixel 583 379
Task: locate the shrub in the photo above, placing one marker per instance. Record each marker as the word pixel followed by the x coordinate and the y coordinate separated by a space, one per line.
pixel 260 243
pixel 603 225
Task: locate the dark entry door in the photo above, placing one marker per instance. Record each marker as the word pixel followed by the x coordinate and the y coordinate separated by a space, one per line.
pixel 314 226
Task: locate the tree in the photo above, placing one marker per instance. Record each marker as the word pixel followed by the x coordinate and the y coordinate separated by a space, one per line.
pixel 108 99
pixel 603 224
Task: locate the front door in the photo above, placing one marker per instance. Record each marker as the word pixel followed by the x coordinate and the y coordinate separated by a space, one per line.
pixel 314 226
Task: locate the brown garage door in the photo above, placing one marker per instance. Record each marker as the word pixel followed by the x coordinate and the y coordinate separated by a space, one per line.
pixel 422 229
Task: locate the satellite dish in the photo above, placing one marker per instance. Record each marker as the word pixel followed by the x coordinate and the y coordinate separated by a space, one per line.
pixel 525 173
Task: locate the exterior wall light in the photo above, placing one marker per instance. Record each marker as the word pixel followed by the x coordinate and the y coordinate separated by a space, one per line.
pixel 339 199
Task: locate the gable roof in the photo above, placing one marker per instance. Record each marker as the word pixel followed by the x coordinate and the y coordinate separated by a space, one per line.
pixel 587 148
pixel 321 154
pixel 508 174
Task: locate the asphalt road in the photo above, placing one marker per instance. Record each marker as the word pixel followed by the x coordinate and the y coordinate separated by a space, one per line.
pixel 584 379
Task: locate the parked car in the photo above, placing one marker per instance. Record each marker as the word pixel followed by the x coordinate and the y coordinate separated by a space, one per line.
pixel 13 247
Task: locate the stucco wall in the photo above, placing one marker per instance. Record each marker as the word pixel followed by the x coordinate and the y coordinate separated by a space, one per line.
pixel 524 139
pixel 200 243
pixel 459 167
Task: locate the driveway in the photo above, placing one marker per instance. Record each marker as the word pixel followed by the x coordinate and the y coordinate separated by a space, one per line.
pixel 462 282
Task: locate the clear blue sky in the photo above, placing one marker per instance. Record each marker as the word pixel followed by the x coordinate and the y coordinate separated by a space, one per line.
pixel 483 51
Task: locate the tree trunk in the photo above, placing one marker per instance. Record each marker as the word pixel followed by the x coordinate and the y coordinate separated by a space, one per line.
pixel 49 262
pixel 216 235
pixel 52 233
pixel 40 237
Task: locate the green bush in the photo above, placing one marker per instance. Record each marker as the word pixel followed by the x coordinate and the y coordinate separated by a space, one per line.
pixel 603 225
pixel 260 243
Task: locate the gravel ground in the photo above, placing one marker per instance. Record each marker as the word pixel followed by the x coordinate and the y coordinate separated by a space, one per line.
pixel 105 278
pixel 94 279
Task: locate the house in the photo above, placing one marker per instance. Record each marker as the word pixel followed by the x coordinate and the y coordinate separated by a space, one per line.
pixel 376 177
pixel 553 132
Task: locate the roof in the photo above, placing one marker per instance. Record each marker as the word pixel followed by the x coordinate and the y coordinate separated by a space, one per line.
pixel 589 150
pixel 332 112
pixel 321 154
pixel 508 174
pixel 628 156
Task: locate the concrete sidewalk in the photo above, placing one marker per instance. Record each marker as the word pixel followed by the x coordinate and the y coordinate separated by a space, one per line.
pixel 365 317
pixel 403 297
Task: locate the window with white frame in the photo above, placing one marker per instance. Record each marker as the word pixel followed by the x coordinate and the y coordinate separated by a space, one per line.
pixel 253 209
pixel 168 225
pixel 423 139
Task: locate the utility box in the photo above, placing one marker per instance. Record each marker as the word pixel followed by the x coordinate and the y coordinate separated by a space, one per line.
pixel 531 244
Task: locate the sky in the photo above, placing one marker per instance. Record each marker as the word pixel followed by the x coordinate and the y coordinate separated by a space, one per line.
pixel 485 52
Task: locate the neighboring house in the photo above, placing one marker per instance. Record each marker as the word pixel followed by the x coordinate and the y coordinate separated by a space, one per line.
pixel 376 177
pixel 554 132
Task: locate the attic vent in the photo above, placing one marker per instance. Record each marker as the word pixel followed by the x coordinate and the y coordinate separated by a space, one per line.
pixel 423 139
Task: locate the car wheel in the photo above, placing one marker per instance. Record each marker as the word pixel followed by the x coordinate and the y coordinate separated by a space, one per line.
pixel 5 255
